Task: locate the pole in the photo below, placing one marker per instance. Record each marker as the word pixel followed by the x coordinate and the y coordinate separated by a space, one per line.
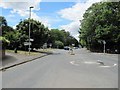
pixel 29 28
pixel 104 48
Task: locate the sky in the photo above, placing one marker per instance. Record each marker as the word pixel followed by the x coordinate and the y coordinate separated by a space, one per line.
pixel 54 14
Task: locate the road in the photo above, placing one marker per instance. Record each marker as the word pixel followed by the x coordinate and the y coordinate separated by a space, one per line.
pixel 62 70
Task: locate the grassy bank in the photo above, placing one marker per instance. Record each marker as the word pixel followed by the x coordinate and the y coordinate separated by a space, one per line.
pixel 31 52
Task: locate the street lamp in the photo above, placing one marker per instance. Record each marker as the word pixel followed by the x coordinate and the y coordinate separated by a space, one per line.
pixel 29 27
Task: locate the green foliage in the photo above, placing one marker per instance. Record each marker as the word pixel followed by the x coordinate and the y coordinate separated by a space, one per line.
pixel 4 42
pixel 9 34
pixel 4 28
pixel 3 21
pixel 38 32
pixel 59 44
pixel 4 39
pixel 101 22
pixel 56 35
pixel 62 36
pixel 14 38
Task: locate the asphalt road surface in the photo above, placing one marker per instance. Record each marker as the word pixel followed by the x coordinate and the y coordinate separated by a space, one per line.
pixel 62 70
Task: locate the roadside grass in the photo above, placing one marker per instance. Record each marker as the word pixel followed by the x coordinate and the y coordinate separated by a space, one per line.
pixel 45 50
pixel 36 52
pixel 23 52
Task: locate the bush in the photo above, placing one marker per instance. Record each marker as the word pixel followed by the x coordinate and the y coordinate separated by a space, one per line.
pixel 4 42
pixel 59 44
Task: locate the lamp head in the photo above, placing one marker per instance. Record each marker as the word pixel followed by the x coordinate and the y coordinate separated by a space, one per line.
pixel 31 7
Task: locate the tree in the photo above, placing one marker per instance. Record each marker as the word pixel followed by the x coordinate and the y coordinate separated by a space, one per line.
pixel 3 41
pixel 59 44
pixel 6 29
pixel 10 35
pixel 61 36
pixel 101 22
pixel 55 35
pixel 38 32
pixel 3 30
pixel 3 21
pixel 14 38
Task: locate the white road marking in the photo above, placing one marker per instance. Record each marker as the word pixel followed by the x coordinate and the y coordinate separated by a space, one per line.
pixel 109 66
pixel 73 63
pixel 115 64
pixel 105 66
pixel 100 62
pixel 90 62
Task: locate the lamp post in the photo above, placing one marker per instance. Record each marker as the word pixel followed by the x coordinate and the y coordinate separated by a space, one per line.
pixel 29 27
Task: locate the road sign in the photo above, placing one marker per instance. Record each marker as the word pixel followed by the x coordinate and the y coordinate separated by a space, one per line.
pixel 73 44
pixel 50 44
pixel 29 48
pixel 31 39
pixel 104 42
pixel 27 43
pixel 99 41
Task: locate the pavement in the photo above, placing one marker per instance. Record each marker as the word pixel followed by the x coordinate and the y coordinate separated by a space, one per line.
pixel 63 70
pixel 106 58
pixel 13 59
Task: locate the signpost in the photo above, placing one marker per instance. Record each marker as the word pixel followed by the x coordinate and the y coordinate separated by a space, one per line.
pixel 44 46
pixel 27 43
pixel 50 45
pixel 32 40
pixel 71 49
pixel 104 45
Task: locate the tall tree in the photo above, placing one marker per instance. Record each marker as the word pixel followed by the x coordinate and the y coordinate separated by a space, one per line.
pixel 3 30
pixel 101 22
pixel 3 21
pixel 57 36
pixel 38 32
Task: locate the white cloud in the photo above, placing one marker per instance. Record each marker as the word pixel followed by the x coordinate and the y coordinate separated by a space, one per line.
pixel 73 28
pixel 75 13
pixel 44 20
pixel 22 8
pixel 14 27
pixel 11 15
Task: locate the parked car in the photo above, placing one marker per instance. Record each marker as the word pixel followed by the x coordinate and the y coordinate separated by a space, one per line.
pixel 66 48
pixel 76 47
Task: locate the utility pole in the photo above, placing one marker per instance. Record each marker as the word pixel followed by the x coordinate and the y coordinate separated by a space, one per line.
pixel 29 28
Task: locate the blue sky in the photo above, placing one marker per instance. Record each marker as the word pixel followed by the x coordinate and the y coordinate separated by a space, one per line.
pixel 50 10
pixel 61 15
pixel 47 9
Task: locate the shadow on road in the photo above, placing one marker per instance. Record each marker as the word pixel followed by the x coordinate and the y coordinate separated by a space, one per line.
pixel 56 53
pixel 8 59
pixel 44 52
